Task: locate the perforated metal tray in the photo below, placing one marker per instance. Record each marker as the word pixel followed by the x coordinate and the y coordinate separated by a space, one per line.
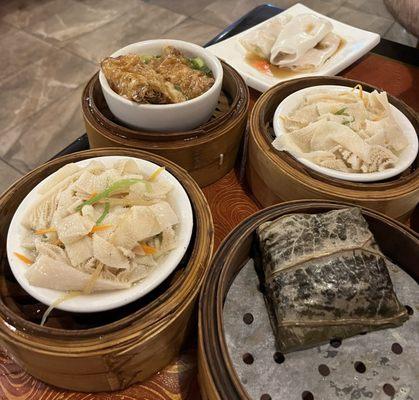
pixel 379 365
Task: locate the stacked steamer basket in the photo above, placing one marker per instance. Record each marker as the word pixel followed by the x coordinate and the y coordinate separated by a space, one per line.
pixel 207 152
pixel 276 176
pixel 236 361
pixel 113 349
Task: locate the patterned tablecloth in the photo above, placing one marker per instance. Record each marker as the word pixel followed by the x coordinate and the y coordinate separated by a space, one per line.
pixel 230 203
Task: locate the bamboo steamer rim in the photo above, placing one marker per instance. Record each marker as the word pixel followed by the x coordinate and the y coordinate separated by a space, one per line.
pixel 207 132
pixel 318 182
pixel 215 362
pixel 83 348
pixel 94 86
pixel 176 297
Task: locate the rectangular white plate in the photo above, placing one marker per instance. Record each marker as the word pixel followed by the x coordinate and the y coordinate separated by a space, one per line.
pixel 357 43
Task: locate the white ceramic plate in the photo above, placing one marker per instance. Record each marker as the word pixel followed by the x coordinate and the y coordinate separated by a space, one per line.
pixel 102 301
pixel 358 43
pixel 406 156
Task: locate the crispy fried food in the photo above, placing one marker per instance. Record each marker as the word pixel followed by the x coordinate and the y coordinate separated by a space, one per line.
pixel 176 68
pixel 132 78
pixel 165 79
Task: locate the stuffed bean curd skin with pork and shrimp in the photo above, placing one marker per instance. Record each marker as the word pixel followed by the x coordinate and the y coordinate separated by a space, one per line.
pixel 98 228
pixel 167 78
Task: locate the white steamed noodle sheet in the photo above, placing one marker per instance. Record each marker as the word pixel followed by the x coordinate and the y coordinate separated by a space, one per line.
pixel 301 42
pixel 348 131
pixel 101 245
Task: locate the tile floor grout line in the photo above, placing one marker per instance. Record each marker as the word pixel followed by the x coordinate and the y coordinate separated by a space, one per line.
pixel 12 166
pixel 53 46
pixel 174 26
pixel 9 24
pixel 19 121
pixel 33 115
pixel 23 28
pixel 73 53
pixel 29 64
pixel 130 12
pixel 68 51
pixel 66 42
pixel 193 19
pixel 388 30
pixel 104 25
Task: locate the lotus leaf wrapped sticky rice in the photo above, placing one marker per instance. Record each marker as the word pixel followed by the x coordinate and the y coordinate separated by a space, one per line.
pixel 325 277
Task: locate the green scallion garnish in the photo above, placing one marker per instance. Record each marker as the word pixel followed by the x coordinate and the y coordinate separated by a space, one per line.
pixel 341 112
pixel 118 185
pixel 104 214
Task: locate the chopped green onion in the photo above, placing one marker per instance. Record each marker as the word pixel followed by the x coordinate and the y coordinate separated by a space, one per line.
pixel 205 70
pixel 121 184
pixel 146 58
pixel 341 112
pixel 156 174
pixel 104 214
pixel 199 64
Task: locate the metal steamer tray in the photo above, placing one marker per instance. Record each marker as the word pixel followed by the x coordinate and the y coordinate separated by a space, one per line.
pixel 378 365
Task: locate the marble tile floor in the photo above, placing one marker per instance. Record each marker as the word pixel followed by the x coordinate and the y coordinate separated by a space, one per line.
pixel 50 48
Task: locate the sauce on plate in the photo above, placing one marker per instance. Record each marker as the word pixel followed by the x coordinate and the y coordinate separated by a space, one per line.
pixel 264 66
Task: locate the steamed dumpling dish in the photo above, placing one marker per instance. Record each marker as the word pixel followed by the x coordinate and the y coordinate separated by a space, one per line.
pixel 349 131
pixel 301 42
pixel 98 228
pixel 325 277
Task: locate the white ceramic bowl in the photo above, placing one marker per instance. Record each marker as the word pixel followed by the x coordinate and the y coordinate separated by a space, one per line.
pixel 406 156
pixel 102 301
pixel 166 117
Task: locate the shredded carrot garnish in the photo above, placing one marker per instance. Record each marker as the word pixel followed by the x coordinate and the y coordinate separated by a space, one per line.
pixel 155 174
pixel 98 228
pixel 148 249
pixel 90 197
pixel 43 231
pixel 144 248
pixel 23 258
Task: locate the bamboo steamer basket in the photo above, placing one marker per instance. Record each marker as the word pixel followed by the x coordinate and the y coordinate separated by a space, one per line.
pixel 207 152
pixel 113 349
pixel 217 376
pixel 276 176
